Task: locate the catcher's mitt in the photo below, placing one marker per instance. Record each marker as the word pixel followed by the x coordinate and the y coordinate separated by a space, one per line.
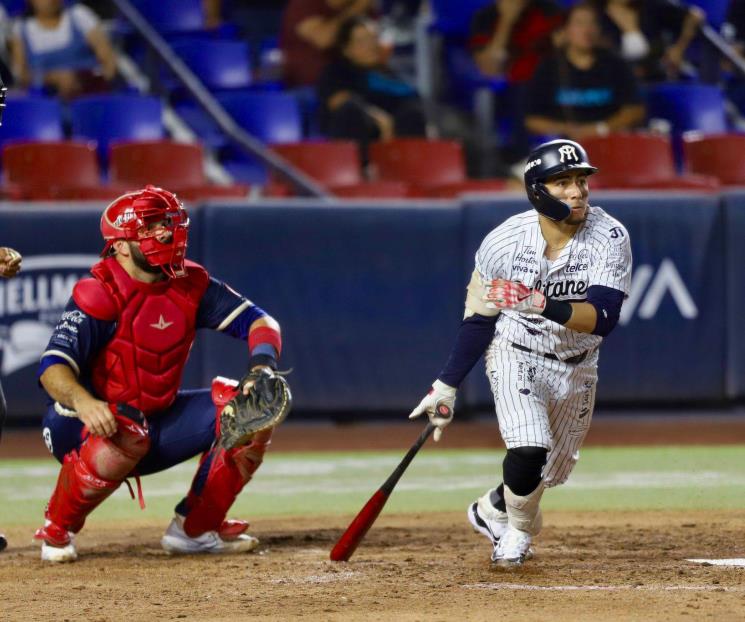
pixel 267 404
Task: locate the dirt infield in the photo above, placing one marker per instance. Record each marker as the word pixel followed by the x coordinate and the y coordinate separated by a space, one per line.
pixel 588 566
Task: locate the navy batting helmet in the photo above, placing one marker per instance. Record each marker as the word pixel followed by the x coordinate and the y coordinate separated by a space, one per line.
pixel 548 160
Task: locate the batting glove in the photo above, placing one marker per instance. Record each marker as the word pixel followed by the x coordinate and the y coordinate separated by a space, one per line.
pixel 439 405
pixel 502 294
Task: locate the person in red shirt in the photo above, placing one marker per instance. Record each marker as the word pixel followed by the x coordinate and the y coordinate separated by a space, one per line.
pixel 307 35
pixel 510 37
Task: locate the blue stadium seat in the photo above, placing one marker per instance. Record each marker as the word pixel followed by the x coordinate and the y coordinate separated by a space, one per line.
pixel 172 15
pixel 17 7
pixel 31 118
pixel 220 64
pixel 716 10
pixel 106 118
pixel 453 17
pixel 271 116
pixel 688 107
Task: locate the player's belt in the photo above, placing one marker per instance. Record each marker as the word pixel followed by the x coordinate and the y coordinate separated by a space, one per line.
pixel 574 360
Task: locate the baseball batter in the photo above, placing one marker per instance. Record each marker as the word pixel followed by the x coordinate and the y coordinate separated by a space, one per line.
pixel 547 287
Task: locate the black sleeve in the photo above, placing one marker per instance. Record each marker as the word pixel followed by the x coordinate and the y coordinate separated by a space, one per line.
pixel 607 302
pixel 627 88
pixel 541 89
pixel 337 76
pixel 473 338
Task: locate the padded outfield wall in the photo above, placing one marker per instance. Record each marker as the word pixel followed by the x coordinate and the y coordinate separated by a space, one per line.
pixel 370 295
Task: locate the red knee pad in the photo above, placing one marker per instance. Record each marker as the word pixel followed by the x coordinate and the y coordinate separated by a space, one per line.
pixel 89 476
pixel 229 471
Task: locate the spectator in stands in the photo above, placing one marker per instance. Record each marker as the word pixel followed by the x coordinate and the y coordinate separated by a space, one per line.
pixel 309 29
pixel 510 37
pixel 582 90
pixel 63 49
pixel 652 34
pixel 361 98
pixel 5 31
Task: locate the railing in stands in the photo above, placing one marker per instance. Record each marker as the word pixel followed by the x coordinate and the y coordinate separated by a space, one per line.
pixel 304 184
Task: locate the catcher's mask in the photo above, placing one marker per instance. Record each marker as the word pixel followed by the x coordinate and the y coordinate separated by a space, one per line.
pixel 157 220
pixel 547 160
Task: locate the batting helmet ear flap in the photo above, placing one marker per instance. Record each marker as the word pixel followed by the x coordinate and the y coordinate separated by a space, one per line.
pixel 545 203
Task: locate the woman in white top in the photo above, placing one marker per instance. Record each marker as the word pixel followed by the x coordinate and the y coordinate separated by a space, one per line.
pixel 64 49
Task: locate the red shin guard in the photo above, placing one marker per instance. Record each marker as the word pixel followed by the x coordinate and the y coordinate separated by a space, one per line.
pixel 229 471
pixel 89 476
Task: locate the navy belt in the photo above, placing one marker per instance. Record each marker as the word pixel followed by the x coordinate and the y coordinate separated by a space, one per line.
pixel 574 360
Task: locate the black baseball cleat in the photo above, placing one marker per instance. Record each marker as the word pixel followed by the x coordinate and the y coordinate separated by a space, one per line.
pixel 3 542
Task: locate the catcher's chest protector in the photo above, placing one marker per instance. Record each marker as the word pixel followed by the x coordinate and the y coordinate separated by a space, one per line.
pixel 142 364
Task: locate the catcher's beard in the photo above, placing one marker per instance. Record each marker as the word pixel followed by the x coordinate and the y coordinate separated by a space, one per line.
pixel 139 259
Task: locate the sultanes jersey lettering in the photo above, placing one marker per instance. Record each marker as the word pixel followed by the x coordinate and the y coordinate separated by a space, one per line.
pixel 598 254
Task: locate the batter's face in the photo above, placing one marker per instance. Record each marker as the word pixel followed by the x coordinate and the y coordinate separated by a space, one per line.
pixel 571 188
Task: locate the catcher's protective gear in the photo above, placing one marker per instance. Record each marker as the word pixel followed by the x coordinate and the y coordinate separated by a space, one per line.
pixel 89 476
pixel 267 404
pixel 157 220
pixel 547 160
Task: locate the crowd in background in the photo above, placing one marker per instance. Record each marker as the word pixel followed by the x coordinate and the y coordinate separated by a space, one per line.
pixel 570 70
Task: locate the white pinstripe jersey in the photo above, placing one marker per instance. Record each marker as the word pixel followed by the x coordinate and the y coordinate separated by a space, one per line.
pixel 599 253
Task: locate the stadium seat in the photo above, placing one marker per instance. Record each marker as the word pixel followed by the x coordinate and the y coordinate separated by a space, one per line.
pixel 33 118
pixel 452 18
pixel 53 170
pixel 336 166
pixel 433 168
pixel 179 167
pixel 639 161
pixel 270 116
pixel 718 155
pixel 219 64
pixel 170 16
pixel 688 107
pixel 105 118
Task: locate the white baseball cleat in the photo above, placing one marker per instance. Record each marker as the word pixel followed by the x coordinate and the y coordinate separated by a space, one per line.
pixel 512 549
pixel 57 545
pixel 486 519
pixel 175 541
pixel 58 554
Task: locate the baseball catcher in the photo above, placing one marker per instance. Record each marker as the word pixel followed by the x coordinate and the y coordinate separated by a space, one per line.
pixel 112 372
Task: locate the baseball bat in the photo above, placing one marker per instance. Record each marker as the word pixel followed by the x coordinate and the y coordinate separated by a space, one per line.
pixel 350 539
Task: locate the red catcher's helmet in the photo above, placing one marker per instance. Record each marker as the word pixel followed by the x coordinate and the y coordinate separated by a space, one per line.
pixel 147 216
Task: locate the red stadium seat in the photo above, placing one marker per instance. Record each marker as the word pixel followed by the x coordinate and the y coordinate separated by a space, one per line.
pixel 53 171
pixel 335 165
pixel 717 155
pixel 178 167
pixel 639 161
pixel 433 168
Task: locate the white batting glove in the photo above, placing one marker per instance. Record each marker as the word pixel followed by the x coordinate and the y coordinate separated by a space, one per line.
pixel 502 294
pixel 439 404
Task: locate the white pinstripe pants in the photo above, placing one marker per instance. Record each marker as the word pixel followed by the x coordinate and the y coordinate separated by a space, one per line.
pixel 542 402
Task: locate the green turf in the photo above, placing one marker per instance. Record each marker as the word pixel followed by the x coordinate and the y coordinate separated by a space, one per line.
pixel 339 483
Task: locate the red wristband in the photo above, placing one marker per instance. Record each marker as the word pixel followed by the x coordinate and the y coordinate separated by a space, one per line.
pixel 264 334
